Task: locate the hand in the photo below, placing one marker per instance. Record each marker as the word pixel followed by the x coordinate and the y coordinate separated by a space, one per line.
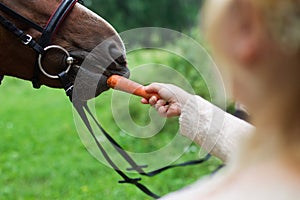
pixel 172 99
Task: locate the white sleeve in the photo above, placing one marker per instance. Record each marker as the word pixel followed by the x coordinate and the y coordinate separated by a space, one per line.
pixel 213 129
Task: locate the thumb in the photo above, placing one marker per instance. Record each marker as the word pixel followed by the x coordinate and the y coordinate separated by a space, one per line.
pixel 153 88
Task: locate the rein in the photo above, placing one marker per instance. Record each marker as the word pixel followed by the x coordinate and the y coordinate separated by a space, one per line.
pixel 83 109
pixel 41 47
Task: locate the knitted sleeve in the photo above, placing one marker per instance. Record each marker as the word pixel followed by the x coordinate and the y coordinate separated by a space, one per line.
pixel 214 130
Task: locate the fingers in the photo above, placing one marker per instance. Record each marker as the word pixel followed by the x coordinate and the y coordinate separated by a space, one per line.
pixel 153 87
pixel 161 89
pixel 144 101
pixel 167 105
pixel 153 100
pixel 159 103
pixel 167 110
pixel 173 111
pixel 163 107
pixel 162 111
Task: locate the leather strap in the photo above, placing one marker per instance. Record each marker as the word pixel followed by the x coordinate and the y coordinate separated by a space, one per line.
pixel 133 164
pixel 55 21
pixel 67 84
pixel 25 38
pixel 16 15
pixel 80 106
pixel 52 26
pixel 47 33
pixel 1 79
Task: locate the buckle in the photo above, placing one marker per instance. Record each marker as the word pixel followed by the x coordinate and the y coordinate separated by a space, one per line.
pixel 28 39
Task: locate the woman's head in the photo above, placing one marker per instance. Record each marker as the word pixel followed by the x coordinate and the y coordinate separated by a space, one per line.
pixel 258 44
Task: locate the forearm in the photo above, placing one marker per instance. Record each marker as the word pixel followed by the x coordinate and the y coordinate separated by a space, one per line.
pixel 213 129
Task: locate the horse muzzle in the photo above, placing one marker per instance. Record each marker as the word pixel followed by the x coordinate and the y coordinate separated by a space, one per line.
pixel 92 69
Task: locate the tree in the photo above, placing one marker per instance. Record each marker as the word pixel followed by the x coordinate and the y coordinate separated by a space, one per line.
pixel 179 15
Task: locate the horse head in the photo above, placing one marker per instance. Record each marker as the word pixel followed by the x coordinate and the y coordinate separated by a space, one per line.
pixel 80 33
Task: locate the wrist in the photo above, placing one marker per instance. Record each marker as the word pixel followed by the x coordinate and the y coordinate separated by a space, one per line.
pixel 196 115
pixel 183 100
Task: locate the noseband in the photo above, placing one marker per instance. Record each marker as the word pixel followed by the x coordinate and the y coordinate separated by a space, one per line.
pixel 41 47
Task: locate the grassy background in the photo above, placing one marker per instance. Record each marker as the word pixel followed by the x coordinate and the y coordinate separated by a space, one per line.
pixel 42 157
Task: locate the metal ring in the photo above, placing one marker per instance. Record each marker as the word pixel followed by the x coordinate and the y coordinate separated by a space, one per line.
pixel 40 61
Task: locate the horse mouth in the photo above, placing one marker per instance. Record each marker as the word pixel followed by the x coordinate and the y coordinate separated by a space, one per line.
pixel 90 73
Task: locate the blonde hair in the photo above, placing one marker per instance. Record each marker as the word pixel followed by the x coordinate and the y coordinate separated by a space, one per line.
pixel 282 18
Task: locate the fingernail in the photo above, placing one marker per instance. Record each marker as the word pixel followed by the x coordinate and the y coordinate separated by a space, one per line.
pixel 151 100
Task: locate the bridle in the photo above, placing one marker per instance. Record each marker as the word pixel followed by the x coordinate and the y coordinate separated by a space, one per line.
pixel 43 44
pixel 41 47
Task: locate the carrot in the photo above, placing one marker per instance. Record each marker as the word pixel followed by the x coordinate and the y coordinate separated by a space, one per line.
pixel 123 84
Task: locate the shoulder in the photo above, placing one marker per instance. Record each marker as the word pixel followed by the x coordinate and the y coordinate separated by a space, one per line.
pixel 256 183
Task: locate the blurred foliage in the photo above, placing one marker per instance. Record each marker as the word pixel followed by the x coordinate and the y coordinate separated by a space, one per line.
pixel 127 14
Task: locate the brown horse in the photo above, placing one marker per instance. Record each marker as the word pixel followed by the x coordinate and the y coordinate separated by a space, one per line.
pixel 81 31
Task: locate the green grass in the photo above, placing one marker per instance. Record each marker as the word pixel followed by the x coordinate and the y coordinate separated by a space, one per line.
pixel 42 157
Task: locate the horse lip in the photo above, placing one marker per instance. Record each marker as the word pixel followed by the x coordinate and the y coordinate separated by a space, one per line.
pixel 121 62
pixel 125 72
pixel 80 56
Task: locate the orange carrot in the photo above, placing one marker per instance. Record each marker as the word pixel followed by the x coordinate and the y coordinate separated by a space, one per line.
pixel 123 84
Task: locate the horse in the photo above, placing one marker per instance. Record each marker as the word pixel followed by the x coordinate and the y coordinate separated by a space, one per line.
pixel 79 33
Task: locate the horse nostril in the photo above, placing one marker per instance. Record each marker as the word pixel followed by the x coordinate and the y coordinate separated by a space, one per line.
pixel 121 60
pixel 117 54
